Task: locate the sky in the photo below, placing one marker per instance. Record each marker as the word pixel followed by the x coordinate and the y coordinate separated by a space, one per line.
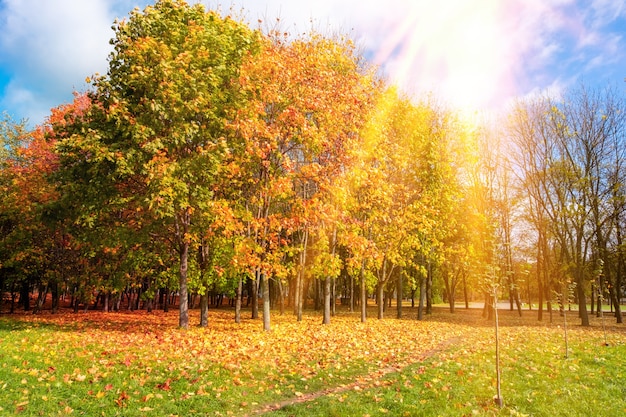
pixel 474 55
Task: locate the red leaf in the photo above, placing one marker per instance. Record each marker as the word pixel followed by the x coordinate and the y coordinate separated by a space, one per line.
pixel 120 400
pixel 165 386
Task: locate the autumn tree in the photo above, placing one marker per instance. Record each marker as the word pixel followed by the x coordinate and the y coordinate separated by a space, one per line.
pixel 154 139
pixel 15 211
pixel 448 249
pixel 394 187
pixel 36 246
pixel 498 182
pixel 307 96
pixel 480 200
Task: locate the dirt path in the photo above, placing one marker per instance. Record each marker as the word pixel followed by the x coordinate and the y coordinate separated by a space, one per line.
pixel 363 382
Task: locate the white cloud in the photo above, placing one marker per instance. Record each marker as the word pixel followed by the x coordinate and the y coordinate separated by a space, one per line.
pixel 16 97
pixel 478 52
pixel 604 11
pixel 49 48
pixel 554 91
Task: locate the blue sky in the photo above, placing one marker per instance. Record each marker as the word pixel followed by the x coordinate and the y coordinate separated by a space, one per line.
pixel 471 54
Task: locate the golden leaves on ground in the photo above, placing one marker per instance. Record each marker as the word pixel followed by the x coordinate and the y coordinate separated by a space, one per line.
pixel 143 361
pixel 161 358
pixel 141 364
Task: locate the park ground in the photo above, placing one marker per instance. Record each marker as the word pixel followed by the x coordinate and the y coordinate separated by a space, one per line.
pixel 140 364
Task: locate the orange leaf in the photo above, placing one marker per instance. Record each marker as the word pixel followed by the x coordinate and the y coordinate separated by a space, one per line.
pixel 165 386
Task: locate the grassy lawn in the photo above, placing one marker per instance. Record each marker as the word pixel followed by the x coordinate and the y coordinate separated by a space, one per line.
pixel 140 364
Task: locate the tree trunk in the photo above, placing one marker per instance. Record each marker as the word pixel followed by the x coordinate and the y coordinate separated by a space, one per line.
pixel 594 296
pixel 549 307
pixel 13 295
pixel 599 297
pixel 266 301
pixel 204 309
pixel 351 293
pixel 316 291
pixel 498 398
pixel 25 296
pixel 294 292
pixel 399 296
pixel 380 290
pixel 299 301
pixel 465 291
pixel 429 290
pixel 333 297
pixel 331 288
pixel 616 302
pixel 617 298
pixel 450 285
pixel 420 306
pixel 582 302
pixel 326 319
pixel 363 294
pixel 385 301
pixel 540 290
pixel 74 300
pixel 618 278
pixel 255 295
pixel 41 298
pixel 139 292
pixel 488 307
pixel 451 301
pixel 300 298
pixel 54 289
pixel 239 295
pixel 518 301
pixel 281 295
pixel 183 300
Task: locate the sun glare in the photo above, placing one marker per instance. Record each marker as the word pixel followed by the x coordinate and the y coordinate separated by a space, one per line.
pixel 457 51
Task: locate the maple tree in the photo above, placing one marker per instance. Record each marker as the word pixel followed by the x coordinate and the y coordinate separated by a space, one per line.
pixel 13 224
pixel 35 243
pixel 307 99
pixel 154 139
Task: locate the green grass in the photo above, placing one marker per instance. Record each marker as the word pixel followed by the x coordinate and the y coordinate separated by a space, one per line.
pixel 96 364
pixel 537 379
